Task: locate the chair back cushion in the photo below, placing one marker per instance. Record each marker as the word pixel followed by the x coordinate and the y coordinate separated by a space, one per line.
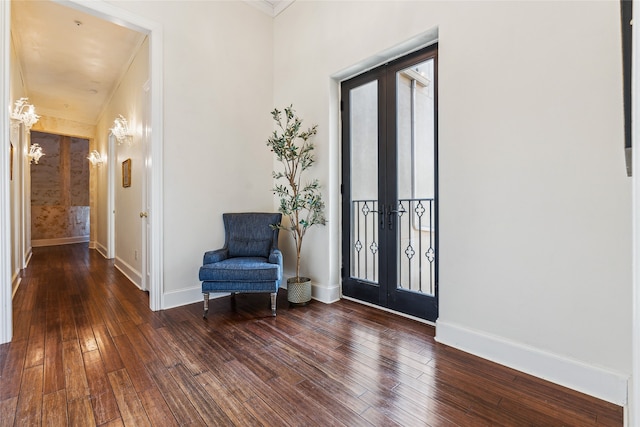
pixel 251 234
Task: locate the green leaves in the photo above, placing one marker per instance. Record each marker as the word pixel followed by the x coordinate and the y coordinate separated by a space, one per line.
pixel 292 147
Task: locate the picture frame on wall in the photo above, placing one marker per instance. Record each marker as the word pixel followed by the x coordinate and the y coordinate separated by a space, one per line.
pixel 126 173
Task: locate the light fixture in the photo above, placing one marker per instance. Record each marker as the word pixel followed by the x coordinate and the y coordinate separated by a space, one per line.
pixel 24 113
pixel 121 130
pixel 95 158
pixel 35 152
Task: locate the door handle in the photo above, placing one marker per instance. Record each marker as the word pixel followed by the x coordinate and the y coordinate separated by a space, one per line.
pixel 381 216
pixel 143 215
pixel 391 212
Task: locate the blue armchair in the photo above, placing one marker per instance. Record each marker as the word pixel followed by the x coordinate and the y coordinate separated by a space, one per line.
pixel 249 261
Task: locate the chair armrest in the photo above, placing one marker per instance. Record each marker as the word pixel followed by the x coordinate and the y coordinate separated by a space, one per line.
pixel 215 256
pixel 275 257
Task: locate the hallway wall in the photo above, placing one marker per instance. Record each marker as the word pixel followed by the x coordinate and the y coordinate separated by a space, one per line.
pixel 128 101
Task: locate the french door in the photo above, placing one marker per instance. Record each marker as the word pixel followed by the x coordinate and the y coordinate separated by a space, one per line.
pixel 390 169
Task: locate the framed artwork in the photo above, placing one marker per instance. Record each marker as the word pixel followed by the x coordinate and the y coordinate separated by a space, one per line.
pixel 126 173
pixel 11 162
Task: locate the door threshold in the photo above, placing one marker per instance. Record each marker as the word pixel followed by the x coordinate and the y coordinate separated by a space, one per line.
pixel 388 310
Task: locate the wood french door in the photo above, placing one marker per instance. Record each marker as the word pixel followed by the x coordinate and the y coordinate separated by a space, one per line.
pixel 390 169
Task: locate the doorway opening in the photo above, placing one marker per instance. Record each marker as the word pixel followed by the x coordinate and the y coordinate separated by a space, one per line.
pixel 60 207
pixel 108 12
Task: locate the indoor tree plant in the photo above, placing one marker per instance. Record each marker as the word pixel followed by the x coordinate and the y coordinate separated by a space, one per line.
pixel 300 202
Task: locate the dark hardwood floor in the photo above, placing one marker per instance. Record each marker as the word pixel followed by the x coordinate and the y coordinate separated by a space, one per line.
pixel 88 351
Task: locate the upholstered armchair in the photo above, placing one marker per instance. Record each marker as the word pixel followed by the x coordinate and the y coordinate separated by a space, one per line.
pixel 249 261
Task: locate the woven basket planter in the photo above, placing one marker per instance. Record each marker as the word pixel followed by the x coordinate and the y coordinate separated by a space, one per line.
pixel 299 290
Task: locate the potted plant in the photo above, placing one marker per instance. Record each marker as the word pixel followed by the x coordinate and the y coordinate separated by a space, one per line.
pixel 300 202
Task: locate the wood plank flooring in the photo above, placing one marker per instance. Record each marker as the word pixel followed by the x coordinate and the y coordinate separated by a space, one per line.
pixel 88 351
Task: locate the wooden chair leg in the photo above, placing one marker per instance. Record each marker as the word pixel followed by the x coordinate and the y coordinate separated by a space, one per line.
pixel 206 304
pixel 273 303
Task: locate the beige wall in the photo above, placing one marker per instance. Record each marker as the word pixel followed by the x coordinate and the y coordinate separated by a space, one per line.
pixel 217 96
pixel 128 101
pixel 535 224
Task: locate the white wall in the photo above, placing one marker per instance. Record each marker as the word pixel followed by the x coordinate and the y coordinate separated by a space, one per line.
pixel 217 96
pixel 534 202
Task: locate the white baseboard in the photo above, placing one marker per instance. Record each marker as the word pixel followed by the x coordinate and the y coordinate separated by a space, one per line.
pixel 186 296
pixel 191 295
pixel 28 256
pixel 323 294
pixel 101 249
pixel 59 241
pixel 15 282
pixel 131 273
pixel 574 374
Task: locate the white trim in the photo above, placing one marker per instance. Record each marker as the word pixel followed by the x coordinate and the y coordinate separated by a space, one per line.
pixel 59 241
pixel 28 257
pixel 415 43
pixel 6 320
pixel 280 6
pixel 574 374
pixel 325 294
pixel 102 250
pixel 110 249
pixel 633 409
pixel 155 185
pixel 15 283
pixel 271 8
pixel 130 273
pixel 186 296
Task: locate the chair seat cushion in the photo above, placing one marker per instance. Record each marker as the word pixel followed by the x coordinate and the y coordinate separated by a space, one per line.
pixel 243 287
pixel 249 269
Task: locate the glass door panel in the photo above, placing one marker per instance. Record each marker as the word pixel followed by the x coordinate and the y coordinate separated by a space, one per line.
pixel 415 145
pixel 364 182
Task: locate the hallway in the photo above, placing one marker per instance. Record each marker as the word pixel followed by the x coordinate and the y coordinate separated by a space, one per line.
pixel 88 351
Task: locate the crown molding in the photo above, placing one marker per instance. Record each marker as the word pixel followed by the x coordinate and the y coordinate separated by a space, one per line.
pixel 270 7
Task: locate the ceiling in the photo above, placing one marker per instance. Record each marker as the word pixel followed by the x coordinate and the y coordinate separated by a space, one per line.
pixel 72 62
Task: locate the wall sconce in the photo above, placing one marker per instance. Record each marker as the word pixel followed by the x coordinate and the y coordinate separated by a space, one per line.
pixel 121 130
pixel 24 113
pixel 95 158
pixel 35 152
